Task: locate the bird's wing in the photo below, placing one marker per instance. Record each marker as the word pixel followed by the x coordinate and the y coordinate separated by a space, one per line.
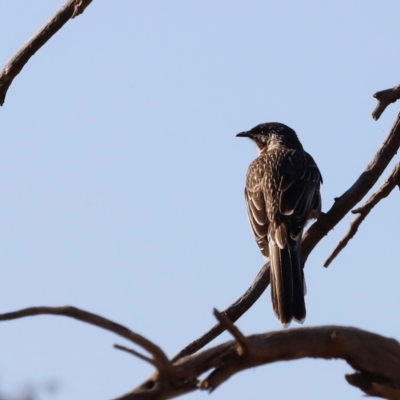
pixel 299 190
pixel 257 213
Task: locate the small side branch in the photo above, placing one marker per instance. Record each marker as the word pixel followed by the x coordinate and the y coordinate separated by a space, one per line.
pixel 136 354
pixel 364 210
pixel 355 193
pixel 159 357
pixel 385 97
pixel 245 347
pixel 233 312
pixel 71 9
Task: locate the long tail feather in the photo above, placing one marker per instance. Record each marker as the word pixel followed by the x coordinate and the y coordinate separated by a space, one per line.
pixel 299 306
pixel 287 284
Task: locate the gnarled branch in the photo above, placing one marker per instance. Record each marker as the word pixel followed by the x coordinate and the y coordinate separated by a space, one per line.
pixel 376 359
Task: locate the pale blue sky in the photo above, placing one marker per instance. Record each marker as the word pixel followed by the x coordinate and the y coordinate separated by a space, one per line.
pixel 121 181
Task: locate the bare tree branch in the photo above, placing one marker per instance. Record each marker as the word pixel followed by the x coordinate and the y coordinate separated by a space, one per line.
pixel 385 97
pixel 159 357
pixel 364 210
pixel 357 191
pixel 71 9
pixel 375 358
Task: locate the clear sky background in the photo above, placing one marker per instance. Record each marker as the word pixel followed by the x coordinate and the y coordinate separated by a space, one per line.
pixel 121 181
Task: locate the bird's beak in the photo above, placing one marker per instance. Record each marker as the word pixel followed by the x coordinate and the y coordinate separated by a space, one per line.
pixel 245 134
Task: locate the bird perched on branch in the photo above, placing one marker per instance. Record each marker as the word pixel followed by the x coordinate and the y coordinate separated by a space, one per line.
pixel 282 194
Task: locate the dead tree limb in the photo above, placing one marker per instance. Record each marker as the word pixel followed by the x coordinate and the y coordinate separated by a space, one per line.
pixel 391 182
pixel 385 97
pixel 375 359
pixel 160 360
pixel 71 9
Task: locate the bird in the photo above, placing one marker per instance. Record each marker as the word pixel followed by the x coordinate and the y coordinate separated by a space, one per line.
pixel 282 194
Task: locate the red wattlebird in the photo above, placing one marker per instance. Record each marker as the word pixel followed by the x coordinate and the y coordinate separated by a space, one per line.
pixel 282 194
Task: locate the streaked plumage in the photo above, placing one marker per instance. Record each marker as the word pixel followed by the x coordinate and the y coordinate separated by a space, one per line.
pixel 282 194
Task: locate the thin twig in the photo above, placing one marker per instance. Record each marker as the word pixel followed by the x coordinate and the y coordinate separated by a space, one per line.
pixel 135 353
pixel 69 10
pixel 385 97
pixel 391 182
pixel 159 357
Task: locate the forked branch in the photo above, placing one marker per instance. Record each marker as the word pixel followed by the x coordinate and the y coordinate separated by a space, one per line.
pixel 375 359
pixel 365 209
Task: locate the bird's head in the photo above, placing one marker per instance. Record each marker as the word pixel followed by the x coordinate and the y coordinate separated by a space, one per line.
pixel 272 134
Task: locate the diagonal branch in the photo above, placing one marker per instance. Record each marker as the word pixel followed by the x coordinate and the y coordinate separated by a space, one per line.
pixel 357 191
pixel 385 97
pixel 233 312
pixel 71 9
pixel 159 357
pixel 364 210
